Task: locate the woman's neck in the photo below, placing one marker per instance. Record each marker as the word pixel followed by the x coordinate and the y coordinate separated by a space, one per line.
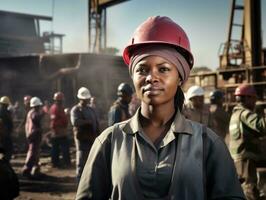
pixel 157 115
pixel 156 120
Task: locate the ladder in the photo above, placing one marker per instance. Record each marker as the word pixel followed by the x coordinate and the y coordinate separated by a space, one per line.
pixel 233 50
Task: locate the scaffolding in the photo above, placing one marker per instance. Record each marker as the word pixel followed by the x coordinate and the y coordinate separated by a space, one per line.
pixel 242 58
pixel 97 16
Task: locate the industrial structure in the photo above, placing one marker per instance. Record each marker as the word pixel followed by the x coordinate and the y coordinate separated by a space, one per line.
pixel 97 23
pixel 20 35
pixel 32 63
pixel 42 76
pixel 242 57
pixel 28 66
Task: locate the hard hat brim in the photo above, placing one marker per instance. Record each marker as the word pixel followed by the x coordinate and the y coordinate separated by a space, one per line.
pixel 36 105
pixel 83 98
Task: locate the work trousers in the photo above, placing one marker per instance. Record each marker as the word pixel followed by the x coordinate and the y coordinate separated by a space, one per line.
pixel 82 152
pixel 60 144
pixel 8 147
pixel 247 173
pixel 33 154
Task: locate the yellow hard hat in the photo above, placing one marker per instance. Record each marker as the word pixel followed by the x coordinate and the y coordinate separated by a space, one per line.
pixel 5 100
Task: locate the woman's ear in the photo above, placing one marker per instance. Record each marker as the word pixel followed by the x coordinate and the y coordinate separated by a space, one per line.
pixel 180 82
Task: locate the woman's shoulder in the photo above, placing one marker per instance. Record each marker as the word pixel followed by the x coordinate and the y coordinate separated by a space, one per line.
pixel 109 132
pixel 106 134
pixel 199 128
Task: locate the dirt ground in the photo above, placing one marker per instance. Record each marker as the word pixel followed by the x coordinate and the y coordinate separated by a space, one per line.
pixel 53 184
pixel 60 183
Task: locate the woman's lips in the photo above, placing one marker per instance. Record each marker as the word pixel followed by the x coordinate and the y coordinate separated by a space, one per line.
pixel 152 90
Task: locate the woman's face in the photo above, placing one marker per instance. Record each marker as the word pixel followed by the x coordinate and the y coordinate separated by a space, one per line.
pixel 155 80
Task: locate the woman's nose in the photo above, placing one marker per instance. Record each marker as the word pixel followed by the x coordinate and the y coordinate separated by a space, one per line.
pixel 151 77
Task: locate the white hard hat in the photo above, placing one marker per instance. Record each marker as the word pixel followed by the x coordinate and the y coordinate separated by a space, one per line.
pixel 83 93
pixel 194 91
pixel 35 101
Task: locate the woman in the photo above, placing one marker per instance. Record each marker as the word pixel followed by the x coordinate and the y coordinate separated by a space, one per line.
pixel 158 154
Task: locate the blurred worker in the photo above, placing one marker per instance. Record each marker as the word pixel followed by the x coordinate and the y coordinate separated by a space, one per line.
pixel 85 128
pixel 20 129
pixel 259 109
pixel 195 109
pixel 134 104
pixel 94 106
pixel 92 102
pixel 15 111
pixel 69 126
pixel 246 127
pixel 119 110
pixel 59 140
pixel 26 103
pixel 9 185
pixel 218 117
pixel 46 106
pixel 46 122
pixel 6 127
pixel 33 131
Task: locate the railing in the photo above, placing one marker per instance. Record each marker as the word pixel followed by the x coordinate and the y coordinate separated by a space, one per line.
pixel 244 74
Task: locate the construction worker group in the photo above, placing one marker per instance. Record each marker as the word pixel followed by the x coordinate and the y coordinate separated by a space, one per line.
pixel 242 131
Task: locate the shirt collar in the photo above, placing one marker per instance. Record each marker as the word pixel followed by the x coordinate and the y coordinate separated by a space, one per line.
pixel 179 125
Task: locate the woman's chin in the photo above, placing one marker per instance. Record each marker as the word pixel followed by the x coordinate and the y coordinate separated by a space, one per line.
pixel 151 101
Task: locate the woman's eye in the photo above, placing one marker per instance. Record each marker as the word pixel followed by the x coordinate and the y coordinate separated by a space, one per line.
pixel 164 69
pixel 141 70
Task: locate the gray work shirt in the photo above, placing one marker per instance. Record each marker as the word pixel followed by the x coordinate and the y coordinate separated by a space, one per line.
pixel 113 167
pixel 154 165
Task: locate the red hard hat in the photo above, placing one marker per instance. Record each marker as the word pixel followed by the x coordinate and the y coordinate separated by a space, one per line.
pixel 27 99
pixel 58 96
pixel 160 30
pixel 245 90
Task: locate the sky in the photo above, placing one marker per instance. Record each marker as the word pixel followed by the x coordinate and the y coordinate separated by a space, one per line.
pixel 205 22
